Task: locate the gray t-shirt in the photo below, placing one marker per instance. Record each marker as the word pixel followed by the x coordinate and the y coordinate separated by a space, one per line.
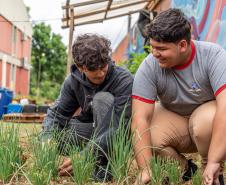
pixel 183 89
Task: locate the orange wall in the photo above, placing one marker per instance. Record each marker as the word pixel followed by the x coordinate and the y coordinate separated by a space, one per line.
pixel 5 36
pixel 0 73
pixel 19 45
pixel 120 52
pixel 23 49
pixel 22 81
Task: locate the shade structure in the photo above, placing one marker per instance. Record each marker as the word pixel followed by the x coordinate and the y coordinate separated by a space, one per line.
pixel 96 11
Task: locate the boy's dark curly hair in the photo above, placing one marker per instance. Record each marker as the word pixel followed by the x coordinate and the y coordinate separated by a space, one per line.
pixel 170 26
pixel 92 51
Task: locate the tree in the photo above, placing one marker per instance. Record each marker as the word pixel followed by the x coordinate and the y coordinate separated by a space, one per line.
pixel 133 63
pixel 48 61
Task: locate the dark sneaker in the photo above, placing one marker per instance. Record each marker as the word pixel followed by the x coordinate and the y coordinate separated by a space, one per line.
pixel 221 179
pixel 192 168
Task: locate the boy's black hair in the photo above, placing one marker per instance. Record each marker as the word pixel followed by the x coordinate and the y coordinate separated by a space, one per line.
pixel 91 51
pixel 170 26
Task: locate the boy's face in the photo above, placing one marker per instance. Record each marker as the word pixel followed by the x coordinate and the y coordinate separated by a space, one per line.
pixel 96 77
pixel 169 54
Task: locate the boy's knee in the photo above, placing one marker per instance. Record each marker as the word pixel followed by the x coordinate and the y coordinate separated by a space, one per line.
pixel 103 98
pixel 197 129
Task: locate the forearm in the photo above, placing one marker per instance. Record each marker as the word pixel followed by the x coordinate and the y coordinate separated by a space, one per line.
pixel 217 149
pixel 142 142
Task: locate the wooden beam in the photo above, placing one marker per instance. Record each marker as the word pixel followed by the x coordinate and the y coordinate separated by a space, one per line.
pixel 108 7
pixel 103 10
pixel 82 4
pixel 154 3
pixel 67 11
pixel 71 31
pixel 101 20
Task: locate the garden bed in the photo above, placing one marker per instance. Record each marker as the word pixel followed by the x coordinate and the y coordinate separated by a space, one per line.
pixel 32 162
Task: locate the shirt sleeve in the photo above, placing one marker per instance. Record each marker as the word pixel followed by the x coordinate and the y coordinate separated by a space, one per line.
pixel 217 70
pixel 144 86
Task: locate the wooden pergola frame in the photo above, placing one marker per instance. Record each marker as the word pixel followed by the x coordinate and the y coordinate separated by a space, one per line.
pixel 70 16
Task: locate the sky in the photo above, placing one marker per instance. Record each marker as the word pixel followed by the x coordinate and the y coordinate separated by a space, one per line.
pixel 50 12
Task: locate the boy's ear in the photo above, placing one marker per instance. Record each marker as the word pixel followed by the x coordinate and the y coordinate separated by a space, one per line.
pixel 183 45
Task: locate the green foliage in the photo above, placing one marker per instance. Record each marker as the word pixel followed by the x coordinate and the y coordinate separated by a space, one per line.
pixel 10 152
pixel 48 61
pixel 165 171
pixel 46 161
pixel 83 164
pixel 197 178
pixel 134 62
pixel 121 151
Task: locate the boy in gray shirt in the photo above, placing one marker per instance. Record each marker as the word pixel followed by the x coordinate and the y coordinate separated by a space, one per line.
pixel 189 79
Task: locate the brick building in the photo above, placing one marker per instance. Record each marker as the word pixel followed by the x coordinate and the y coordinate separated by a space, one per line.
pixel 15 46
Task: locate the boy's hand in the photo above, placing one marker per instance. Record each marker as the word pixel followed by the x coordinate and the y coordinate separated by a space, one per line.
pixel 66 168
pixel 211 173
pixel 144 177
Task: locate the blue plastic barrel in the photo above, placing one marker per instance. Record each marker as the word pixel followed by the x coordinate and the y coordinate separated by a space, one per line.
pixel 6 97
pixel 14 108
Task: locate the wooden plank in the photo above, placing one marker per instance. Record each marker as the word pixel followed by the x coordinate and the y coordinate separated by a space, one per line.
pixel 24 117
pixel 101 20
pixel 83 4
pixel 108 7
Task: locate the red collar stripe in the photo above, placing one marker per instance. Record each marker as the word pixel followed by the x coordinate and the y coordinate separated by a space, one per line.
pixel 190 59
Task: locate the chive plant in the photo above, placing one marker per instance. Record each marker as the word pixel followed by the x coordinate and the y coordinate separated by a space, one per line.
pixel 46 161
pixel 165 171
pixel 197 178
pixel 156 164
pixel 172 171
pixel 83 164
pixel 120 151
pixel 10 152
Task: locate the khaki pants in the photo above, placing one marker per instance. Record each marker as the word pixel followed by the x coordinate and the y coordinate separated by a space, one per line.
pixel 172 134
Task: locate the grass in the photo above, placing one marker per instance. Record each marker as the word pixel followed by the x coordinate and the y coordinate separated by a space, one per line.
pixel 10 152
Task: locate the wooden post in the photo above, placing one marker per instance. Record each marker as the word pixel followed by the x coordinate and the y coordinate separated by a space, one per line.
pixel 71 31
pixel 128 30
pixel 129 23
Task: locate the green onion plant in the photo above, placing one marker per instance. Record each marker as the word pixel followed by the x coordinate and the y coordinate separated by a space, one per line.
pixel 10 152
